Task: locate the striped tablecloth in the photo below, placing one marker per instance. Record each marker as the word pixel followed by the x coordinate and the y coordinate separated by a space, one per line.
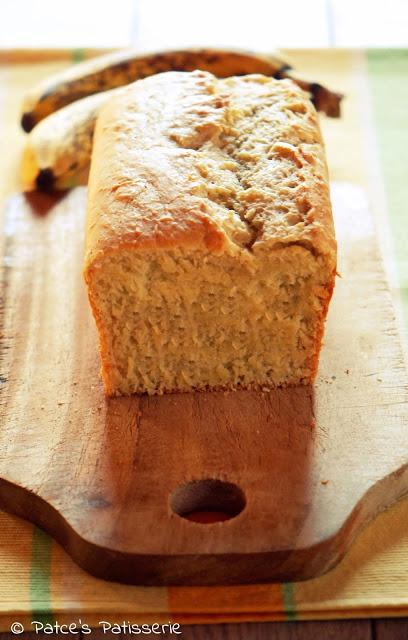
pixel 368 147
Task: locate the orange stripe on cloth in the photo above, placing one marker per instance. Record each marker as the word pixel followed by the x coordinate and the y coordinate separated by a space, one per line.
pixel 226 603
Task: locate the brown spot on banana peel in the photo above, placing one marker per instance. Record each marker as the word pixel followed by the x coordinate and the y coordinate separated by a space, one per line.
pixel 28 122
pixel 45 180
pixel 282 71
pixel 119 69
pixel 324 100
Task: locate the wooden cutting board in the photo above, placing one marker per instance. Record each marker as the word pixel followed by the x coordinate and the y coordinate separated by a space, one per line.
pixel 121 483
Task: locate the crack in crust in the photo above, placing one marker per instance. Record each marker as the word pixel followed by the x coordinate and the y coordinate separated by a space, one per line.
pixel 258 156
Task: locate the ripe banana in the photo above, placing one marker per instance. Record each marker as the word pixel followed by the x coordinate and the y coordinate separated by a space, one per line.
pixel 58 150
pixel 118 69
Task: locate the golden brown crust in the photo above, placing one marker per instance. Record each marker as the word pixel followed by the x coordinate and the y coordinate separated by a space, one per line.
pixel 139 187
pixel 188 160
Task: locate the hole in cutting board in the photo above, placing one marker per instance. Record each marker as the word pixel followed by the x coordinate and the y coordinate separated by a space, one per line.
pixel 207 501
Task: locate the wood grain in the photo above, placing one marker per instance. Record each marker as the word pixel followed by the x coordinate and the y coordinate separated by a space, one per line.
pixel 314 465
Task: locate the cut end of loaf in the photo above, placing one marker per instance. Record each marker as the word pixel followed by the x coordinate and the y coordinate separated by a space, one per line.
pixel 182 321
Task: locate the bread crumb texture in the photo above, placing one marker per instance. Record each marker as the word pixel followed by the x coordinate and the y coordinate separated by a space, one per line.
pixel 210 249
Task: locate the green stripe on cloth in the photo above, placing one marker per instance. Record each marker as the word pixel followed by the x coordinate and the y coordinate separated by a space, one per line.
pixel 78 55
pixel 40 573
pixel 388 81
pixel 288 601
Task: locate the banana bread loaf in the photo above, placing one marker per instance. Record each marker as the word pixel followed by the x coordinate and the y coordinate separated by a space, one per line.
pixel 210 249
